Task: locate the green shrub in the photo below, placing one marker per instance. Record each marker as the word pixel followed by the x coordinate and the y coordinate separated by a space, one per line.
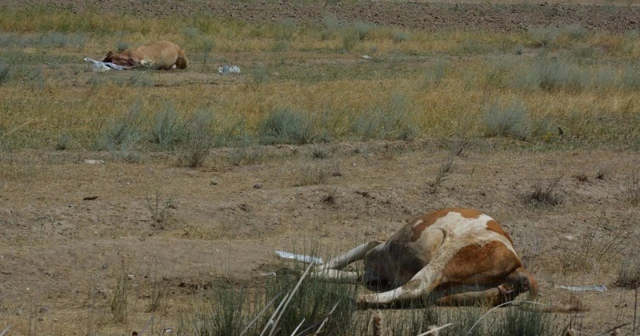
pixel 507 120
pixel 123 133
pixel 168 130
pixel 350 38
pixel 363 29
pixel 4 73
pixel 284 126
pixel 401 36
pixel 543 36
pixel 393 121
pixel 526 323
pixel 227 312
pixel 631 77
pixel 436 73
pixel 558 74
pixel 628 275
pixel 199 139
pixel 63 142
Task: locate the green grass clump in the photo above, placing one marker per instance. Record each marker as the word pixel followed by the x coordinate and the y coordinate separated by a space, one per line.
pixel 229 312
pixel 4 73
pixel 510 120
pixel 285 126
pixel 559 74
pixel 168 129
pixel 393 121
pixel 199 139
pixel 525 323
pixel 628 275
pixel 121 134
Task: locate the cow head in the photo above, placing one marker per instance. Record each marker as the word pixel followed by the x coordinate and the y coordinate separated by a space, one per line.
pixel 120 59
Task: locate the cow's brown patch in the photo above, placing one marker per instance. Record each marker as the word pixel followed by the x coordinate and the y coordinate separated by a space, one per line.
pixel 432 217
pixel 481 263
pixel 492 225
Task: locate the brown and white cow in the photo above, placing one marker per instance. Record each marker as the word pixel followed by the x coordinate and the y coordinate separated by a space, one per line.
pixel 454 257
pixel 161 55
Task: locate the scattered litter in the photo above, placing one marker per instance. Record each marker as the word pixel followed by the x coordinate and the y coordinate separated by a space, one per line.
pixel 99 66
pixel 268 273
pixel 367 57
pixel 299 257
pixel 89 161
pixel 228 69
pixel 594 288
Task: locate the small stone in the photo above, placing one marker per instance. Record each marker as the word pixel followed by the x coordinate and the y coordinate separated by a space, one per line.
pixel 213 182
pixel 130 277
pixel 43 310
pixel 257 186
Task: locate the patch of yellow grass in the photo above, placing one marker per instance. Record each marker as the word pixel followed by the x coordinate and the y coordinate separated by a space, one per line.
pixel 311 73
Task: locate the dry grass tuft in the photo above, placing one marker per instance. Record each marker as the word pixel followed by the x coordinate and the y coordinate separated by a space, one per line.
pixel 542 195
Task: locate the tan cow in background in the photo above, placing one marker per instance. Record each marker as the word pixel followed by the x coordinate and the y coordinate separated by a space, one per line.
pixel 161 55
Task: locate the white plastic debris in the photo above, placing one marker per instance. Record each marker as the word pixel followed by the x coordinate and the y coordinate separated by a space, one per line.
pixel 367 57
pixel 90 161
pixel 268 273
pixel 99 66
pixel 228 69
pixel 300 257
pixel 591 288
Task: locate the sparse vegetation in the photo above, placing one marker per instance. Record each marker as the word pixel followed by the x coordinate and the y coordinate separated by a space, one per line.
pixel 199 139
pixel 628 274
pixel 632 189
pixel 120 299
pixel 507 120
pixel 4 73
pixel 160 210
pixel 63 142
pixel 122 134
pixel 279 308
pixel 168 129
pixel 287 127
pixel 604 243
pixel 245 156
pixel 541 195
pixel 158 292
pixel 443 173
pixel 316 173
pixel 565 89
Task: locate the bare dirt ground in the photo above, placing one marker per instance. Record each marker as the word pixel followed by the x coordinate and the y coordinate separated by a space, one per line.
pixel 66 226
pixel 454 15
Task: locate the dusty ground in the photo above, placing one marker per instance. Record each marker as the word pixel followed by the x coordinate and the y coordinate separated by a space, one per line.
pixel 498 15
pixel 66 226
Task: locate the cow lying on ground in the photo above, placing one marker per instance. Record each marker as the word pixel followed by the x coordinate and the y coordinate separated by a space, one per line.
pixel 454 257
pixel 161 55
